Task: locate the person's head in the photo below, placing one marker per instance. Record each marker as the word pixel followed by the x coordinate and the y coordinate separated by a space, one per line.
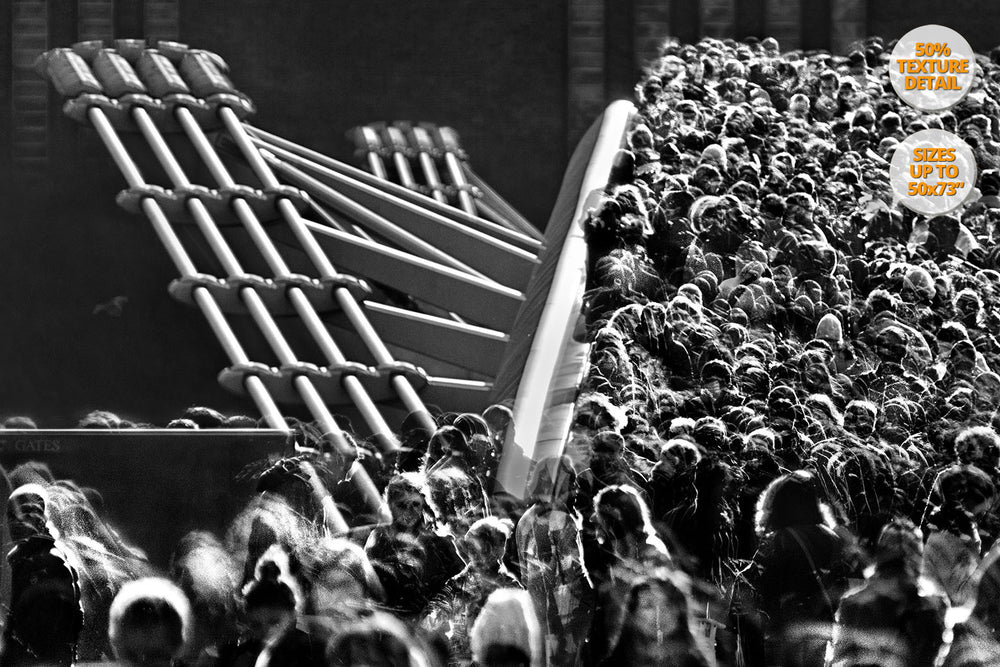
pixel 271 600
pixel 900 548
pixel 209 577
pixel 830 330
pixel 762 439
pixel 31 472
pixel 678 454
pixel 499 418
pixel 966 486
pixel 606 450
pixel 821 406
pixel 376 640
pixel 448 441
pixel 620 513
pixel 405 496
pixel 485 542
pixel 979 445
pixel 150 622
pixel 860 418
pixel 791 500
pixel 506 632
pixel 205 417
pixel 28 512
pixel 891 344
pixel 987 390
pixel 268 519
pixel 100 419
pixel 968 306
pixel 21 422
pixel 962 358
pixel 342 578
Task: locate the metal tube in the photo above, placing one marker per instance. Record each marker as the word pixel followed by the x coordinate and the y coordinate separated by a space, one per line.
pixel 433 179
pixel 404 171
pixel 458 178
pixel 277 264
pixel 224 179
pixel 376 166
pixel 344 298
pixel 206 302
pixel 311 160
pixel 380 225
pixel 411 400
pixel 251 299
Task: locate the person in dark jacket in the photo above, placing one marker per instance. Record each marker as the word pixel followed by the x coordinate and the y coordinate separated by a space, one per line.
pixel 272 602
pixel 896 617
pixel 658 628
pixel 45 618
pixel 802 568
pixel 413 562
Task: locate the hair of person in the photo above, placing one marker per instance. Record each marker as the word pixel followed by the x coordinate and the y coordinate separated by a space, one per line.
pixel 447 440
pixel 341 555
pixel 20 506
pixel 471 424
pixel 239 421
pixel 204 568
pixel 273 513
pixel 899 548
pixel 623 512
pixel 445 486
pixel 148 603
pixel 100 419
pixel 825 404
pixel 404 483
pixel 273 584
pixel 791 500
pixel 984 435
pixel 184 423
pixel 507 619
pixel 682 448
pixel 966 485
pixel 381 634
pixel 20 422
pixel 73 516
pixel 499 419
pixel 31 471
pixel 868 406
pixel 205 417
pixel 493 529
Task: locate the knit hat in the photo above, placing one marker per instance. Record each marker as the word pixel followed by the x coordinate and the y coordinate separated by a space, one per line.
pixel 507 620
pixel 830 329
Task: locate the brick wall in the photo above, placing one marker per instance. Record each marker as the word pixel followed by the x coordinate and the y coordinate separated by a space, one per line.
pixel 848 23
pixel 585 63
pixel 782 21
pixel 652 27
pixel 718 18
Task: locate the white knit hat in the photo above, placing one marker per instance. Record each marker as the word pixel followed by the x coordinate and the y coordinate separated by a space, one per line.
pixel 508 619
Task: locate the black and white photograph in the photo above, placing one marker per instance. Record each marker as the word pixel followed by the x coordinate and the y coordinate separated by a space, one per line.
pixel 499 333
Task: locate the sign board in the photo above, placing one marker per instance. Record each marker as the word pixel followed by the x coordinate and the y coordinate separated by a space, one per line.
pixel 157 484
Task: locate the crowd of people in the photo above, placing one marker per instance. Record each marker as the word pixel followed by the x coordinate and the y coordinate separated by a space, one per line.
pixel 785 451
pixel 194 417
pixel 797 372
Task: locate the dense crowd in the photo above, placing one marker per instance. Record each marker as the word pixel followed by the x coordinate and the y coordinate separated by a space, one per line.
pixel 785 451
pixel 796 371
pixel 194 417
